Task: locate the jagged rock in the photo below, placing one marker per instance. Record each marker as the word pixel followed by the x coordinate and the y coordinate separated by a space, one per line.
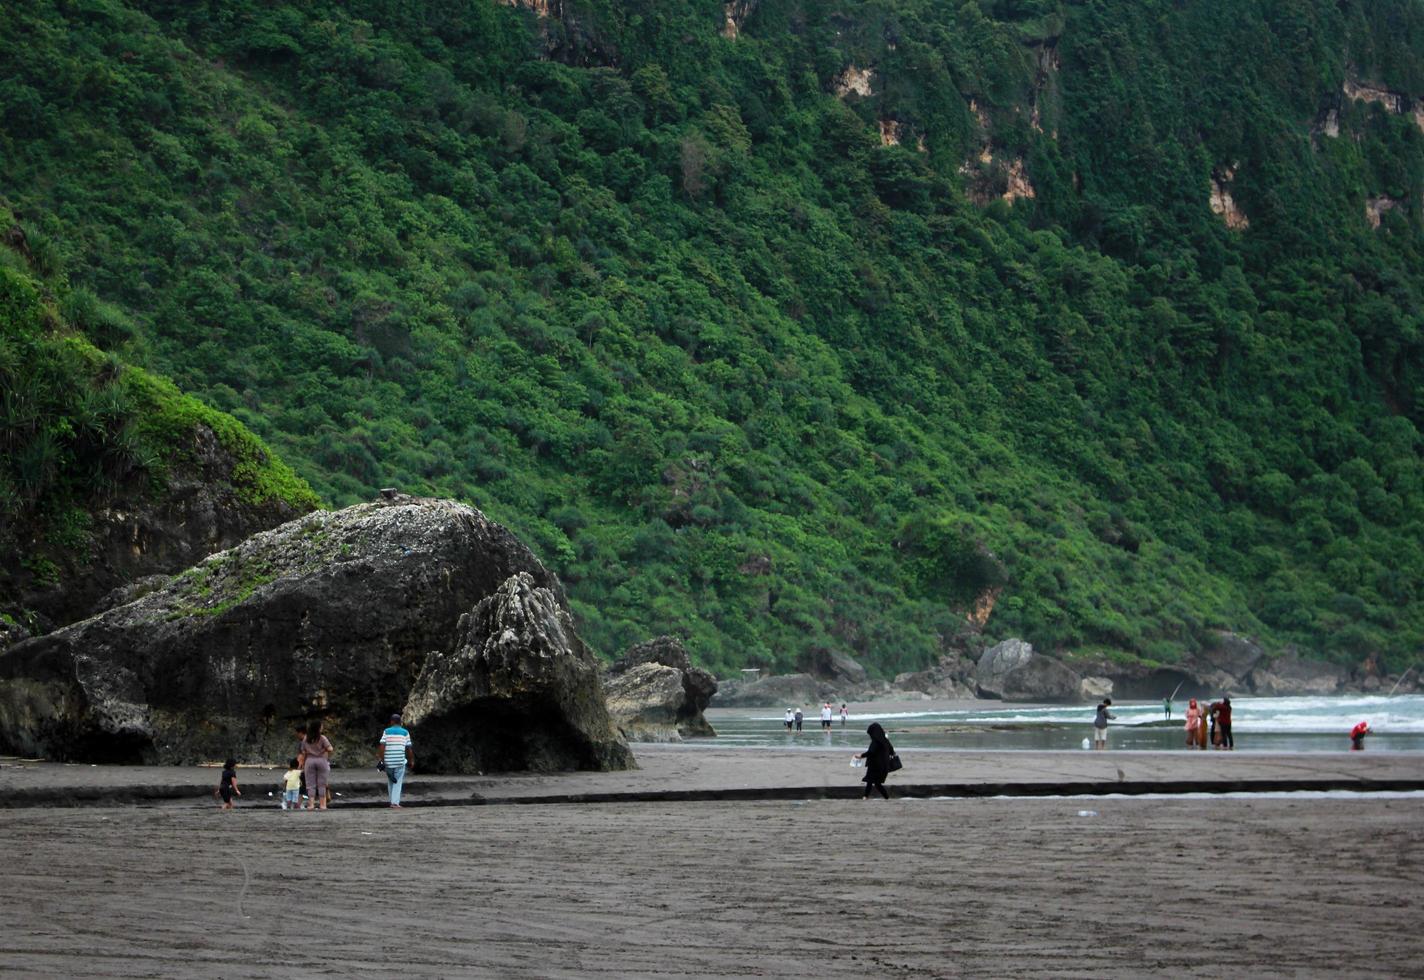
pixel 199 511
pixel 331 614
pixel 519 691
pixel 1290 675
pixel 655 694
pixel 1011 670
pixel 831 665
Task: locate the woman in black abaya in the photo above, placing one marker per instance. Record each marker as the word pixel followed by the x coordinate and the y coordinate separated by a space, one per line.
pixel 877 760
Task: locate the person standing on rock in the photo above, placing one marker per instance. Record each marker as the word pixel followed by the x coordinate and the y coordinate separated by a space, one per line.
pixel 316 749
pixel 1100 724
pixel 877 761
pixel 395 755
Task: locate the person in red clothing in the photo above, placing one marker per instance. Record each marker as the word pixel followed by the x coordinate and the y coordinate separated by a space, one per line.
pixel 1223 724
pixel 1357 735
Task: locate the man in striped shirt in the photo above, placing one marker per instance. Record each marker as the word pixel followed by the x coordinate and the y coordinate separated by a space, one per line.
pixel 396 754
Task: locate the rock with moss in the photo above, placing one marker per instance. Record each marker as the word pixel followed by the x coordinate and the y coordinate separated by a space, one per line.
pixel 518 691
pixel 333 614
pixel 655 694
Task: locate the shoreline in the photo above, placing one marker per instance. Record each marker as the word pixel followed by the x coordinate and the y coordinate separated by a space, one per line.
pixel 681 774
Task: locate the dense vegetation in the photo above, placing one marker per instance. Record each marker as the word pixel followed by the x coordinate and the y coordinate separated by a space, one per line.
pixel 79 427
pixel 666 303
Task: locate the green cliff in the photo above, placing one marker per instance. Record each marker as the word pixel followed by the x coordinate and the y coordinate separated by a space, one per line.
pixel 784 326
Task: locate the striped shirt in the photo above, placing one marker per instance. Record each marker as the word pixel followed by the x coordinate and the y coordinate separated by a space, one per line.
pixel 395 739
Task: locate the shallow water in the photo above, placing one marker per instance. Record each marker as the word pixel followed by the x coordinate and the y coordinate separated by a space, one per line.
pixel 1297 724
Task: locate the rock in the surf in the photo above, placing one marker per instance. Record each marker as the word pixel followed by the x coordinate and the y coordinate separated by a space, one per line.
pixel 655 694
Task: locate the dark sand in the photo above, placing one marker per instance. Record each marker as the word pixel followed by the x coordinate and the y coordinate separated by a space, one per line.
pixel 977 887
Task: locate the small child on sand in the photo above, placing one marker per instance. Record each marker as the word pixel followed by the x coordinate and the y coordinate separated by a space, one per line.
pixel 292 787
pixel 227 786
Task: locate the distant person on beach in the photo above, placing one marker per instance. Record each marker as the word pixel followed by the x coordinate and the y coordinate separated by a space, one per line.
pixel 877 761
pixel 1100 724
pixel 1167 707
pixel 799 716
pixel 292 786
pixel 395 755
pixel 316 748
pixel 1223 724
pixel 227 784
pixel 845 713
pixel 1193 718
pixel 826 716
pixel 790 719
pixel 1357 736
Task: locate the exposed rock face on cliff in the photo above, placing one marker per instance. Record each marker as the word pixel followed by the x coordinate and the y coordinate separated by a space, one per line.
pixel 198 512
pixel 654 694
pixel 332 614
pixel 1011 670
pixel 519 691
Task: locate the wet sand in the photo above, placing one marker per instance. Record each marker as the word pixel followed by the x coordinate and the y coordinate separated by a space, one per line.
pixel 993 887
pixel 819 887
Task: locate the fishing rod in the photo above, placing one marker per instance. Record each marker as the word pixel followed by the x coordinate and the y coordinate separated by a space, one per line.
pixel 1401 679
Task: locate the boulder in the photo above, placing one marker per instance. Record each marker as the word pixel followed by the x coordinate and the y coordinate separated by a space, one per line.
pixel 832 665
pixel 1011 670
pixel 655 694
pixel 332 614
pixel 1290 675
pixel 1229 656
pixel 1095 688
pixel 519 691
pixel 952 677
pixel 771 692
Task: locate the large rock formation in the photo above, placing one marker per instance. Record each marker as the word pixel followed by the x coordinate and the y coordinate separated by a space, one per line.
pixel 837 668
pixel 1289 675
pixel 654 694
pixel 1011 670
pixel 519 691
pixel 784 690
pixel 951 677
pixel 332 614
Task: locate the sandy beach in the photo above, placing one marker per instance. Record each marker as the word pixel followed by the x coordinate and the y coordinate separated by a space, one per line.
pixel 722 887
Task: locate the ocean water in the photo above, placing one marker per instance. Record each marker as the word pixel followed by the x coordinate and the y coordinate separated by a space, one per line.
pixel 1298 724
